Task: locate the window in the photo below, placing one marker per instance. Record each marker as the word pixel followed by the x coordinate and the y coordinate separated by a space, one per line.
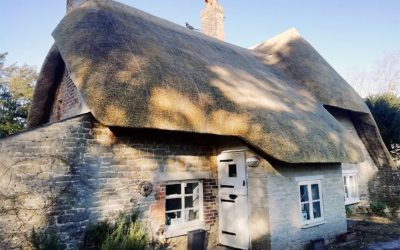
pixel 350 184
pixel 311 207
pixel 184 203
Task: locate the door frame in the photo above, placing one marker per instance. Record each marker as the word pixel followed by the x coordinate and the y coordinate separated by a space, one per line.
pixel 221 153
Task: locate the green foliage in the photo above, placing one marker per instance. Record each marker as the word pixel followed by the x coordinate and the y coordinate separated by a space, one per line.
pixel 385 109
pixel 96 234
pixel 126 234
pixel 349 211
pixel 44 241
pixel 13 113
pixel 377 207
pixel 16 90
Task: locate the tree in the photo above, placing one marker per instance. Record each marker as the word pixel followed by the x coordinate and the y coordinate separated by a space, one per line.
pixel 382 78
pixel 16 90
pixel 385 109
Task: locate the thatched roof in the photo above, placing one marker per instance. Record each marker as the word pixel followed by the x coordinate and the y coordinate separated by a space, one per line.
pixel 299 60
pixel 43 96
pixel 293 55
pixel 139 71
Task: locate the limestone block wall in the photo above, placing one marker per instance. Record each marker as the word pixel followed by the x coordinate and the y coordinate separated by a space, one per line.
pixel 68 174
pixel 275 220
pixel 284 208
pixel 366 169
pixel 259 217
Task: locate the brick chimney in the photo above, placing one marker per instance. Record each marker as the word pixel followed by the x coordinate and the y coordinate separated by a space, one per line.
pixel 212 19
pixel 72 4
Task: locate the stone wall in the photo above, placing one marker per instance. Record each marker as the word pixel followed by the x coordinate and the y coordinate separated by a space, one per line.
pixel 275 207
pixel 375 184
pixel 385 188
pixel 366 169
pixel 66 175
pixel 284 207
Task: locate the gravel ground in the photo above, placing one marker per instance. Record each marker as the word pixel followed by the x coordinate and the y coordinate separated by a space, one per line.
pixel 372 233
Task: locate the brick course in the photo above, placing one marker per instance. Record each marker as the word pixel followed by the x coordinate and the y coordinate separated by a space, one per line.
pixel 67 101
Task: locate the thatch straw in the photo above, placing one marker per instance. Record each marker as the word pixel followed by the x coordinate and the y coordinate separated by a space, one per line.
pixel 139 71
pixel 43 97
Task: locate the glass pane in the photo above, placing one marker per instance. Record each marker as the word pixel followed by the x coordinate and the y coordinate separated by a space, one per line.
pixel 173 218
pixel 351 181
pixel 317 209
pixel 189 202
pixel 192 214
pixel 173 204
pixel 305 212
pixel 346 192
pixel 345 180
pixel 173 189
pixel 192 188
pixel 303 193
pixel 315 191
pixel 232 170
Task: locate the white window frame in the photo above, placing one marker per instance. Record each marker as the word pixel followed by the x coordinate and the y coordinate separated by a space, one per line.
pixel 354 196
pixel 312 221
pixel 183 227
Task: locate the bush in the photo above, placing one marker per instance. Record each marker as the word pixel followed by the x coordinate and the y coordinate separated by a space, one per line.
pixel 349 211
pixel 377 207
pixel 96 234
pixel 44 241
pixel 126 234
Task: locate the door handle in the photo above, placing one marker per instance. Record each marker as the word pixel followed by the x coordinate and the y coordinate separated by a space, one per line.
pixel 233 196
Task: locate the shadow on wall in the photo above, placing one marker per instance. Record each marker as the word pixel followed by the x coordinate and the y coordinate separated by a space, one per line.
pixel 29 191
pixel 91 174
pixel 142 73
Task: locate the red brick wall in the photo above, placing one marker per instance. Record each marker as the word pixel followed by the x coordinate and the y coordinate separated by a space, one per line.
pixel 210 208
pixel 210 190
pixel 67 102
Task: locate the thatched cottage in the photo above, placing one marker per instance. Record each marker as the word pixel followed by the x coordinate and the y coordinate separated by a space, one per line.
pixel 261 148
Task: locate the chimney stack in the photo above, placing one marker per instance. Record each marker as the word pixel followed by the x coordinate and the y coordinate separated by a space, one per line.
pixel 212 19
pixel 72 4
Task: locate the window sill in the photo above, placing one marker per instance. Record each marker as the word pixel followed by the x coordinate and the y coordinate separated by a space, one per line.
pixel 178 230
pixel 313 224
pixel 353 201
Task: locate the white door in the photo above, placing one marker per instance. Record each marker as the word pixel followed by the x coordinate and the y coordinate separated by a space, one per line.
pixel 233 207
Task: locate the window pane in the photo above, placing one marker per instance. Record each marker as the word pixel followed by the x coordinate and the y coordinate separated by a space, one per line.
pixel 345 180
pixel 303 193
pixel 173 204
pixel 189 202
pixel 192 214
pixel 317 209
pixel 346 192
pixel 173 189
pixel 315 191
pixel 192 188
pixel 232 170
pixel 173 218
pixel 305 211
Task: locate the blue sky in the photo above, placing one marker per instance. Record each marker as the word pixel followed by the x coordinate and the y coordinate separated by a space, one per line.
pixel 348 33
